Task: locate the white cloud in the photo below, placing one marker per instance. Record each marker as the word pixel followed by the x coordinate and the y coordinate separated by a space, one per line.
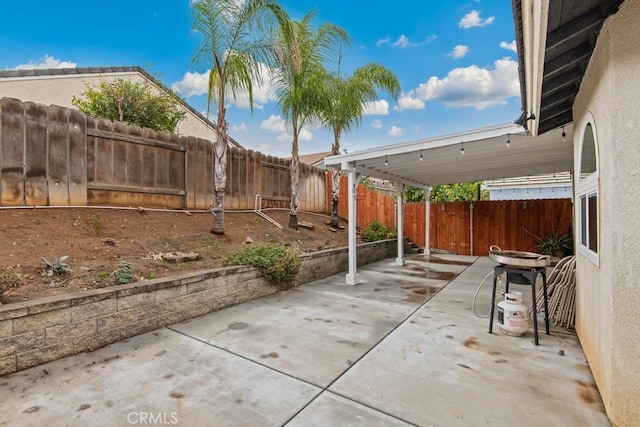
pixel 459 51
pixel 47 62
pixel 195 84
pixel 472 19
pixel 474 86
pixel 239 128
pixel 276 124
pixel 376 108
pixel 409 101
pixel 402 42
pixel 383 41
pixel 395 131
pixel 192 84
pixel 376 124
pixel 509 45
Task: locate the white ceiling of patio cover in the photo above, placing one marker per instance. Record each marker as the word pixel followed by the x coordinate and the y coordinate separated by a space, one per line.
pixel 486 157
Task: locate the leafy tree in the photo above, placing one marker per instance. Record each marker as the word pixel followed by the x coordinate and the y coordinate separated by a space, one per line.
pixel 344 112
pixel 459 192
pixel 300 74
pixel 413 194
pixel 235 41
pixel 135 103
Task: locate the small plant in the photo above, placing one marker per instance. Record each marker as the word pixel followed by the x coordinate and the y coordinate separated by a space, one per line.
pixel 56 267
pixel 555 245
pixel 97 224
pixel 277 263
pixel 103 274
pixel 9 282
pixel 375 231
pixel 124 273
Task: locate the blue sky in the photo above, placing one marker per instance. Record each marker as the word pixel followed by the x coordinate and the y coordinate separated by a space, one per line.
pixel 455 60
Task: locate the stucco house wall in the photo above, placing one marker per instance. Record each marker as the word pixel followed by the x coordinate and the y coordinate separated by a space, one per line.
pixel 608 291
pixel 50 89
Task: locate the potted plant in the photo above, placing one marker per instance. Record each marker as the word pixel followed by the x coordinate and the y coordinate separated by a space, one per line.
pixel 555 245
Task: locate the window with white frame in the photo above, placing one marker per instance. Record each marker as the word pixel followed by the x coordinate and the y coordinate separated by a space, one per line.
pixel 587 196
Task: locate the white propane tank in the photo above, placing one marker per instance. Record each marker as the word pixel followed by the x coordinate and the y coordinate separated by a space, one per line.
pixel 513 315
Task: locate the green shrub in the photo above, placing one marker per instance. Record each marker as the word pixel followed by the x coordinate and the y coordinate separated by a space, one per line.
pixel 277 263
pixel 124 273
pixel 375 231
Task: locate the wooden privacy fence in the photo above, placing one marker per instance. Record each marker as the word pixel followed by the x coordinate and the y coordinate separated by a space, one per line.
pixel 56 156
pixel 510 224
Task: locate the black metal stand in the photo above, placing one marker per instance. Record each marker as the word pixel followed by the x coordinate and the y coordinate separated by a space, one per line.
pixel 531 276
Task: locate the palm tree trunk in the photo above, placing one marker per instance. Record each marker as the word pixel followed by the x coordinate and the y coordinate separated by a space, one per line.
pixel 335 187
pixel 295 183
pixel 220 172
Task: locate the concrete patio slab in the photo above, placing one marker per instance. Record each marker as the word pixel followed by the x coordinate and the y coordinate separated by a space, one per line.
pixel 314 336
pixel 401 348
pixel 162 376
pixel 330 409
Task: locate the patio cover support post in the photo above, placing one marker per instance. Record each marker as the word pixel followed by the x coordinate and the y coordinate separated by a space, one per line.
pixel 352 180
pixel 427 222
pixel 400 216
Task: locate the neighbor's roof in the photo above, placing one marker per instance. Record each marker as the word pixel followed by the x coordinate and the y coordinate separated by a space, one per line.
pixel 43 72
pixel 314 158
pixel 555 55
pixel 559 179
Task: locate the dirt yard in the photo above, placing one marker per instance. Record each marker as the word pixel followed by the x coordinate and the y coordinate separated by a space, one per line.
pixel 96 240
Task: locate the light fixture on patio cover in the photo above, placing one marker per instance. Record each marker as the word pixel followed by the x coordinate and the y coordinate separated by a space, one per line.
pixel 508 144
pixel 421 157
pixel 386 162
pixel 462 147
pixel 564 135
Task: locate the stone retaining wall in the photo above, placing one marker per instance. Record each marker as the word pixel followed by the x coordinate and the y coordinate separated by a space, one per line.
pixel 38 331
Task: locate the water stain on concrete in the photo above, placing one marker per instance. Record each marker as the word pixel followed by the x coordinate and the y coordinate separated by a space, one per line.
pixel 472 343
pixel 587 393
pixel 237 326
pixel 273 355
pixel 436 260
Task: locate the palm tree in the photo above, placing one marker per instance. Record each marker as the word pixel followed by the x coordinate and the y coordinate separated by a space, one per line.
pixel 346 108
pixel 236 36
pixel 301 53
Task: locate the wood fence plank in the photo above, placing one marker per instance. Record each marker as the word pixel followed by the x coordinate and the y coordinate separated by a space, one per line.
pixel 149 165
pixel 58 130
pixel 104 153
pixel 36 154
pixel 91 151
pixel 12 147
pixel 77 158
pixel 134 159
pixel 201 165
